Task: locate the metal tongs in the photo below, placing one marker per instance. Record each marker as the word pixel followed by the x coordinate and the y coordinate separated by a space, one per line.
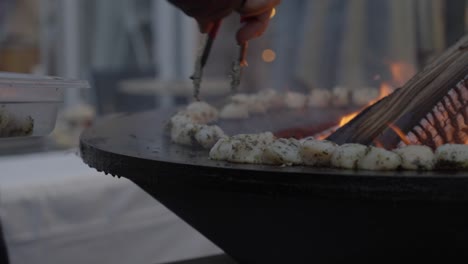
pixel 237 65
pixel 202 58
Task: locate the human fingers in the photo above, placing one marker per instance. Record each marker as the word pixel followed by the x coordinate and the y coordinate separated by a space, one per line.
pixel 257 7
pixel 206 8
pixel 253 27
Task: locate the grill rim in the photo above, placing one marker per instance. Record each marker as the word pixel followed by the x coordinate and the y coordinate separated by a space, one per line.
pixel 305 182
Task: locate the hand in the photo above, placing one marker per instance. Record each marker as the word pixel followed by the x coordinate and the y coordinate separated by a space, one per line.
pixel 256 14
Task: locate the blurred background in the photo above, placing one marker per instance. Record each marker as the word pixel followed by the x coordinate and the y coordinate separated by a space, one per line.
pixel 138 55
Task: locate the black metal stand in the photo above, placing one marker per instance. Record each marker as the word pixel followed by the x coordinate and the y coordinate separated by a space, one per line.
pixel 3 248
pixel 220 259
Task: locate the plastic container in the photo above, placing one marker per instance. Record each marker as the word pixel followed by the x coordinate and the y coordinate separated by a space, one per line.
pixel 29 104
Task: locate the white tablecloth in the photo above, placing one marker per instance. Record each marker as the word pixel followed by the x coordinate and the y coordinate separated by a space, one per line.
pixel 55 209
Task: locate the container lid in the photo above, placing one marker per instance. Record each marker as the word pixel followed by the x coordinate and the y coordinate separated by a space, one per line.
pixel 17 87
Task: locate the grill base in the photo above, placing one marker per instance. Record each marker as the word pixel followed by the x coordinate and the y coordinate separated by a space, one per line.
pixel 274 229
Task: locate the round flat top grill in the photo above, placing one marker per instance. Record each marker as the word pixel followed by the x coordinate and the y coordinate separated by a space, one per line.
pixel 137 147
pixel 270 214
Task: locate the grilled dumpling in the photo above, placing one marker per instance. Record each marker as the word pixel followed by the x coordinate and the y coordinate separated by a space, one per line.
pixel 319 98
pixel 202 113
pixel 243 148
pixel 252 102
pixel 340 96
pixel 270 99
pixel 184 133
pixel 207 136
pixel 416 157
pixel 452 156
pixel 347 156
pixel 295 100
pixel 379 159
pixel 282 152
pixel 234 111
pixel 317 152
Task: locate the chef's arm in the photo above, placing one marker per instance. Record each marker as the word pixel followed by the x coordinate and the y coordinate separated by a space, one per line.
pixel 256 13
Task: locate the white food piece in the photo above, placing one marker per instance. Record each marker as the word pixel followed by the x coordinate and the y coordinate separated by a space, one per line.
pixel 240 98
pixel 452 156
pixel 341 96
pixel 295 100
pixel 416 157
pixel 347 156
pixel 202 112
pixel 319 98
pixel 363 96
pixel 254 103
pixel 283 152
pixel 15 126
pixel 243 148
pixel 223 149
pixel 4 118
pixel 234 111
pixel 207 136
pixel 270 99
pixel 184 133
pixel 181 118
pixel 379 159
pixel 302 140
pixel 317 152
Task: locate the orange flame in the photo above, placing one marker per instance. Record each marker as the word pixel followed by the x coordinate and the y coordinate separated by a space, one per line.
pixel 378 144
pixel 322 137
pixel 345 119
pixel 401 72
pixel 385 90
pixel 400 133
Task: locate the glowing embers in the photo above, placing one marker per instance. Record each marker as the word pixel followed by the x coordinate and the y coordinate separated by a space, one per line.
pixel 400 133
pixel 446 123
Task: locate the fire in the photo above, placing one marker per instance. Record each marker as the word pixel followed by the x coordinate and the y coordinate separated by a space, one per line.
pixel 378 144
pixel 401 72
pixel 322 137
pixel 385 90
pixel 400 133
pixel 345 119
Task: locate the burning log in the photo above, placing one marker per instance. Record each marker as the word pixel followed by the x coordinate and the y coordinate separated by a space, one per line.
pixel 431 109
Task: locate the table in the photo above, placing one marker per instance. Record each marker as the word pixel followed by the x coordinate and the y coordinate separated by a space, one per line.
pixel 55 209
pixel 27 145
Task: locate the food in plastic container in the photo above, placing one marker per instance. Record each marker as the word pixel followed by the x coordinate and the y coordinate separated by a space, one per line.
pixel 29 103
